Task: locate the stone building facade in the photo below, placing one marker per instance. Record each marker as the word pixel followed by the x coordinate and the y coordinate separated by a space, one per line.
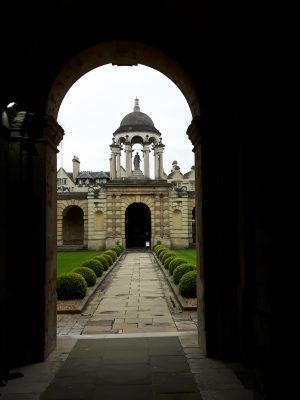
pixel 96 209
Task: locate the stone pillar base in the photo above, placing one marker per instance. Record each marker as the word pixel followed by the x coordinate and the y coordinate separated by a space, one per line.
pixel 96 244
pixel 111 242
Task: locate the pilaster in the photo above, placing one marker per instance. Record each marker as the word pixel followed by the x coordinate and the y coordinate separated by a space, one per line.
pixel 194 132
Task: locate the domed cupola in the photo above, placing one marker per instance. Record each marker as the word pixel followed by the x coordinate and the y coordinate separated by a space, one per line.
pixel 136 128
pixel 136 121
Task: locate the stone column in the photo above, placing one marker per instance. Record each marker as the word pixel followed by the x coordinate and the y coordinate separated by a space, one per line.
pixel 194 134
pixel 32 210
pixel 118 161
pixel 113 170
pixel 110 165
pixel 146 151
pixel 158 154
pixel 45 168
pixel 156 163
pixel 161 165
pixel 113 166
pixel 128 155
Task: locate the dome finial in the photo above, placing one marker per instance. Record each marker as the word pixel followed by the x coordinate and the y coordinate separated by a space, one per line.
pixel 136 107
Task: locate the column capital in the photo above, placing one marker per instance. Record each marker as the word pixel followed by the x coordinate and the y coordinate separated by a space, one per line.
pixel 115 148
pixel 159 148
pixel 146 147
pixel 24 125
pixel 54 131
pixel 127 146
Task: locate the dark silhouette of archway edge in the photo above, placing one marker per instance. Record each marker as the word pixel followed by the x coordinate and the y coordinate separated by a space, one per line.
pixel 122 54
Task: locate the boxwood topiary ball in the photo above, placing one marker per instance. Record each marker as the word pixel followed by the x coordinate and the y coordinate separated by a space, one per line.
pixel 108 257
pixel 112 254
pixel 95 265
pixel 187 285
pixel 70 286
pixel 174 263
pixel 181 270
pixel 104 262
pixel 88 274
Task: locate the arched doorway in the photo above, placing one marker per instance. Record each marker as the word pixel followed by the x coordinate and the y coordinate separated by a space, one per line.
pixel 137 225
pixel 73 226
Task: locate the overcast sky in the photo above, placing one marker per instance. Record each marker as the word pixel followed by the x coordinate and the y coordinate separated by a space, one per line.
pixel 95 105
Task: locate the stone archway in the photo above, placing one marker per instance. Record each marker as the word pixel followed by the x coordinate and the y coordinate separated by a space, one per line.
pixel 120 53
pixel 137 225
pixel 117 53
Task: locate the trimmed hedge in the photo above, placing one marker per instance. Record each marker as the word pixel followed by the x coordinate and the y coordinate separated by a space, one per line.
pixel 108 258
pixel 187 285
pixel 117 249
pixel 94 265
pixel 163 253
pixel 88 274
pixel 112 254
pixel 174 263
pixel 158 243
pixel 168 261
pixel 70 286
pixel 166 255
pixel 181 270
pixel 104 262
pixel 159 249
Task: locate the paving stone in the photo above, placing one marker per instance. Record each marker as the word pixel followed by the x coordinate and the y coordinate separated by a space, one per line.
pixel 136 299
pixel 96 330
pixel 21 396
pixel 178 396
pixel 221 379
pixel 131 321
pixel 167 363
pixel 81 366
pixel 69 389
pixel 125 374
pixel 123 392
pixel 168 382
pixel 232 394
pixel 103 322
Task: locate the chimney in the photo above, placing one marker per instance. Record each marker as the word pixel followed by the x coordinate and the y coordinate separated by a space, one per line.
pixel 76 167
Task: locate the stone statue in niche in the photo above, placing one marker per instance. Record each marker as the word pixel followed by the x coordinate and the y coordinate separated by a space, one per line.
pixel 137 161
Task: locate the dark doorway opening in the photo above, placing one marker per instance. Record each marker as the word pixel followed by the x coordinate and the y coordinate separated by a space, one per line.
pixel 73 226
pixel 138 225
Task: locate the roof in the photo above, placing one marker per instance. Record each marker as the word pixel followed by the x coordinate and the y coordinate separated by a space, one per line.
pixel 136 121
pixel 93 175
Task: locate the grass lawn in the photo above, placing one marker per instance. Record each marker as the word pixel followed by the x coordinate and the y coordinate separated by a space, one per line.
pixel 67 260
pixel 189 255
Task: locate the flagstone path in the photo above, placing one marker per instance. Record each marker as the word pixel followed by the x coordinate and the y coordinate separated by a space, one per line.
pixel 135 299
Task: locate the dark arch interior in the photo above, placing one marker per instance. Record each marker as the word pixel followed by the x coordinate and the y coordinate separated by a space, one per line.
pixel 73 226
pixel 137 225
